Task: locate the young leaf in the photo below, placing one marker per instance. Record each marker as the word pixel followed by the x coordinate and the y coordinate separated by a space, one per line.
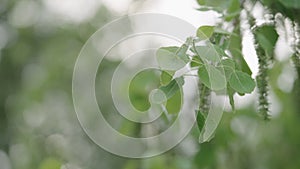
pixel 241 82
pixel 172 58
pixel 174 86
pixel 205 32
pixel 181 53
pixel 211 123
pixel 211 77
pixel 209 53
pixel 228 66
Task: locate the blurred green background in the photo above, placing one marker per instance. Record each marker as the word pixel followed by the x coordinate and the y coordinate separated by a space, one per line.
pixel 38 124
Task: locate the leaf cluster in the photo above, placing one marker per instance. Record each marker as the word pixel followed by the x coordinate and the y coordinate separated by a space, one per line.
pixel 208 53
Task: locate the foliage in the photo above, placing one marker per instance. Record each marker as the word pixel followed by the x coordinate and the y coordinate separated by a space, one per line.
pixel 39 129
pixel 220 65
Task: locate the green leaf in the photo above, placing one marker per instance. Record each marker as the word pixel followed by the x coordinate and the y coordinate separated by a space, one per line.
pixel 195 62
pixel 230 16
pixel 181 53
pixel 205 32
pixel 208 53
pixel 228 63
pixel 221 4
pixel 174 103
pixel 267 2
pixel 200 120
pixel 241 82
pixel 291 3
pixel 228 66
pixel 211 123
pixel 211 77
pixel 234 6
pixel 267 37
pixel 205 8
pixel 222 31
pixel 241 62
pixel 201 2
pixel 219 50
pixel 166 77
pixel 174 86
pixel 235 47
pixel 172 58
pixel 233 10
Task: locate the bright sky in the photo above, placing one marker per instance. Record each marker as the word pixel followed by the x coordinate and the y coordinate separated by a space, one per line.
pixel 184 9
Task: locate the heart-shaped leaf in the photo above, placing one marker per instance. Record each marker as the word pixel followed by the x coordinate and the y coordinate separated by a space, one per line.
pixel 241 82
pixel 205 32
pixel 172 58
pixel 208 53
